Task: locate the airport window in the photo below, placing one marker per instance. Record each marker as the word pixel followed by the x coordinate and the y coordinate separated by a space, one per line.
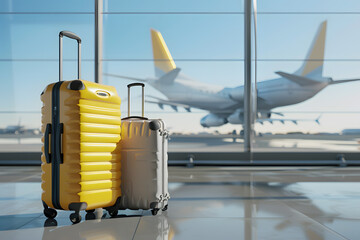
pixel 324 115
pixel 260 137
pixel 303 48
pixel 29 62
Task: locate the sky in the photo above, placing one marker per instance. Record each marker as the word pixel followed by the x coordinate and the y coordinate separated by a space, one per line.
pixel 202 30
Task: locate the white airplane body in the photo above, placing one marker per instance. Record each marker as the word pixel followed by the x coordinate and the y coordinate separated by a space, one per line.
pixel 226 104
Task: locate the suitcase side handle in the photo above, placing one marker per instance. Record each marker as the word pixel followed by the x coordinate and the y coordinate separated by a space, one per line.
pixel 61 155
pixel 78 39
pixel 143 97
pixel 46 143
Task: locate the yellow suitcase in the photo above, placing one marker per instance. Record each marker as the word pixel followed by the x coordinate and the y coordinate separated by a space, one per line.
pixel 80 155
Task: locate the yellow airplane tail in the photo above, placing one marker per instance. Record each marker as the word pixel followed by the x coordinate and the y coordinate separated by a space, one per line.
pixel 163 61
pixel 313 65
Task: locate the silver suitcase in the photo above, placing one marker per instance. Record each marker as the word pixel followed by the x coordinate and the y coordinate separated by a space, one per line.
pixel 144 171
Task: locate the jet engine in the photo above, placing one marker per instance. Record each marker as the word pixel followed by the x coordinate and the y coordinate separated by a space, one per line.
pixel 212 120
pixel 264 115
pixel 237 117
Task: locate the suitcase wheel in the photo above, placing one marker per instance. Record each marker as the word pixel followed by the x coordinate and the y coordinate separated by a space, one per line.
pixel 75 217
pixel 50 222
pixel 113 213
pixel 50 213
pixel 165 208
pixel 90 216
pixel 154 211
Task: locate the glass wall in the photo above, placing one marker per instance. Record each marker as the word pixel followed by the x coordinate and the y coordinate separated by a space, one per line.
pixel 298 111
pixel 29 62
pixel 205 40
pixel 315 40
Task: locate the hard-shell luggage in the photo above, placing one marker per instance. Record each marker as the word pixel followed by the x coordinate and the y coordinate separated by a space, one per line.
pixel 144 173
pixel 81 124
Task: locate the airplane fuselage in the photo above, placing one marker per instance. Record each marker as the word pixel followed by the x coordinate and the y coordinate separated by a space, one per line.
pixel 282 92
pixel 271 94
pixel 196 94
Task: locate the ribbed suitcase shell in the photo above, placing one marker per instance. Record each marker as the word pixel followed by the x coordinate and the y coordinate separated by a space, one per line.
pixel 90 172
pixel 144 180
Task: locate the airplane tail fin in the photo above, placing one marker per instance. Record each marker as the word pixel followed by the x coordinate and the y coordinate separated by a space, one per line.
pixel 163 61
pixel 313 65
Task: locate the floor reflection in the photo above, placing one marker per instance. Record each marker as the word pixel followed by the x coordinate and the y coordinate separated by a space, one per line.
pixel 297 201
pixel 105 228
pixel 206 203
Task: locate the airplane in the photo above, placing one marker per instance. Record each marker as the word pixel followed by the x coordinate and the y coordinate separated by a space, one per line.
pixel 19 129
pixel 13 129
pixel 226 105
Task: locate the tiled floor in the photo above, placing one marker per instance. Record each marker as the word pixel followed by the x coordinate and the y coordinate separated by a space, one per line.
pixel 206 203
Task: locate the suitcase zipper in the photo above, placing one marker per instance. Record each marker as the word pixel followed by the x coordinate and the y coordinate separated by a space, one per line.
pixel 55 146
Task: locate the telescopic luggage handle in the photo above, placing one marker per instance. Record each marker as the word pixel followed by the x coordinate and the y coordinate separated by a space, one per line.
pixel 143 100
pixel 78 39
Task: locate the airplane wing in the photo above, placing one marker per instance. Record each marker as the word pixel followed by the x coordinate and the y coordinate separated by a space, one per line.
pixel 272 120
pixel 161 102
pixel 277 113
pixel 283 120
pixel 303 81
pixel 167 78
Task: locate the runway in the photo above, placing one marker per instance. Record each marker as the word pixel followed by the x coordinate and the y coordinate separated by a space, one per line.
pixel 219 143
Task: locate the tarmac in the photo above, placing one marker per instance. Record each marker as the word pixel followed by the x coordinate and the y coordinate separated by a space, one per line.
pixel 219 143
